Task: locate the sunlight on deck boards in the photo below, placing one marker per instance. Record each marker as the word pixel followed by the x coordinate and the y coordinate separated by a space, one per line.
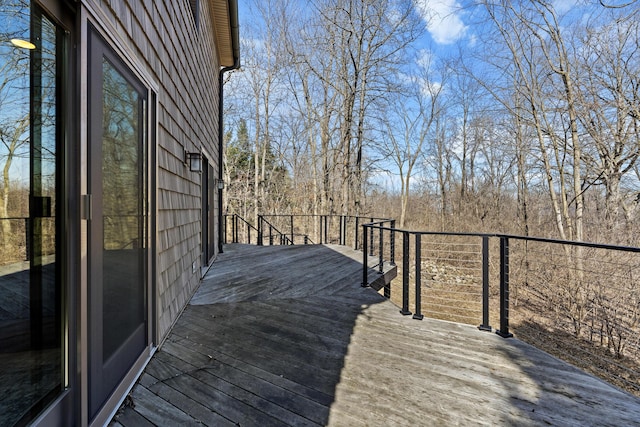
pixel 285 335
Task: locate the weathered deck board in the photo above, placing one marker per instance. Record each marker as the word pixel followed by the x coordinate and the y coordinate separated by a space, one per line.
pixel 286 336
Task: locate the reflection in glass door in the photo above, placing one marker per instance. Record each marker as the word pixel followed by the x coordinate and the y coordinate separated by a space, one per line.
pixel 118 236
pixel 32 348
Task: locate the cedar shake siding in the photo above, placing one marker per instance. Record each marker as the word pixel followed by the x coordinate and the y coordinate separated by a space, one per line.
pixel 180 56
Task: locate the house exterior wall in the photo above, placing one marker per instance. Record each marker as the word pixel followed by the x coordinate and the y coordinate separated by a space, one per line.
pixel 115 92
pixel 179 55
pixel 175 56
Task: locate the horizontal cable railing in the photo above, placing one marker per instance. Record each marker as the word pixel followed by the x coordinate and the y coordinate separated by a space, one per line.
pixel 578 300
pixel 289 229
pixel 309 229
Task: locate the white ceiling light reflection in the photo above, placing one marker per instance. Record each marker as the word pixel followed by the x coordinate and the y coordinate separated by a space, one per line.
pixel 23 44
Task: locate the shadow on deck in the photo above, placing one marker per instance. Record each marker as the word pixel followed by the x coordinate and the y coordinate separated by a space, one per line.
pixel 285 335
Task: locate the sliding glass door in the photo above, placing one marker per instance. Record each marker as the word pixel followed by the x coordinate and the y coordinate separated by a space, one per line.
pixel 33 315
pixel 117 231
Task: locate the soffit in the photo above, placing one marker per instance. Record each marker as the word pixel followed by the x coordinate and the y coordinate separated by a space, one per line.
pixel 222 23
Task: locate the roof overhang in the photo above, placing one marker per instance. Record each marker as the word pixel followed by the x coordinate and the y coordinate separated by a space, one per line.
pixel 225 22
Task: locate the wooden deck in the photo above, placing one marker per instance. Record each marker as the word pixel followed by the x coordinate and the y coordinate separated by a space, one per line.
pixel 285 335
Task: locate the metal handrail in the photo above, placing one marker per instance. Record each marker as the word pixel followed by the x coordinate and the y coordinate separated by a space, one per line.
pixel 235 220
pixel 273 232
pixel 510 236
pixel 286 229
pixel 327 228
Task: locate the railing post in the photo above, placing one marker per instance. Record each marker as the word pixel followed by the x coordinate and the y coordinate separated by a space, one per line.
pixel 344 230
pixel 260 230
pixel 27 245
pixel 365 281
pixel 291 228
pixel 392 242
pixel 355 235
pixel 270 235
pixel 405 274
pixel 418 314
pixel 248 235
pixel 504 289
pixel 235 228
pixel 371 236
pixel 485 285
pixel 326 229
pixel 224 230
pixel 340 230
pixel 381 251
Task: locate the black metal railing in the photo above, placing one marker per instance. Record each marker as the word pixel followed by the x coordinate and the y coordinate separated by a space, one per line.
pixel 273 234
pixel 238 230
pixel 374 232
pixel 538 287
pixel 321 229
pixel 290 229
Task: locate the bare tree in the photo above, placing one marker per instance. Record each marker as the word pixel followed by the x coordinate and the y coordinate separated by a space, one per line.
pixel 466 97
pixel 437 164
pixel 408 125
pixel 356 45
pixel 315 102
pixel 14 89
pixel 544 80
pixel 261 95
pixel 610 91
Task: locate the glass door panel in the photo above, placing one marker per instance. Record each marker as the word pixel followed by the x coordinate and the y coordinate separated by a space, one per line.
pixel 32 348
pixel 117 231
pixel 122 211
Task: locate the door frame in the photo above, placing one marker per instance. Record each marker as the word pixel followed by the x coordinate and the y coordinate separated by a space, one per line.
pixel 93 19
pixel 64 410
pixel 104 373
pixel 209 212
pixel 204 187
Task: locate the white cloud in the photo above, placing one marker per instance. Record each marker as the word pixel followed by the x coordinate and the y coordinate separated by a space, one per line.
pixel 473 40
pixel 443 19
pixel 423 79
pixel 425 59
pixel 425 62
pixel 562 6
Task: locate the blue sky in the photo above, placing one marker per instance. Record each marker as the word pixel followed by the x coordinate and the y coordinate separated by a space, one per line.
pixel 453 22
pixel 458 27
pixel 452 25
pixel 450 22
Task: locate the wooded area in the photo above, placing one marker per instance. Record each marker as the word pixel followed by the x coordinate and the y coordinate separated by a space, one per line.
pixel 531 128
